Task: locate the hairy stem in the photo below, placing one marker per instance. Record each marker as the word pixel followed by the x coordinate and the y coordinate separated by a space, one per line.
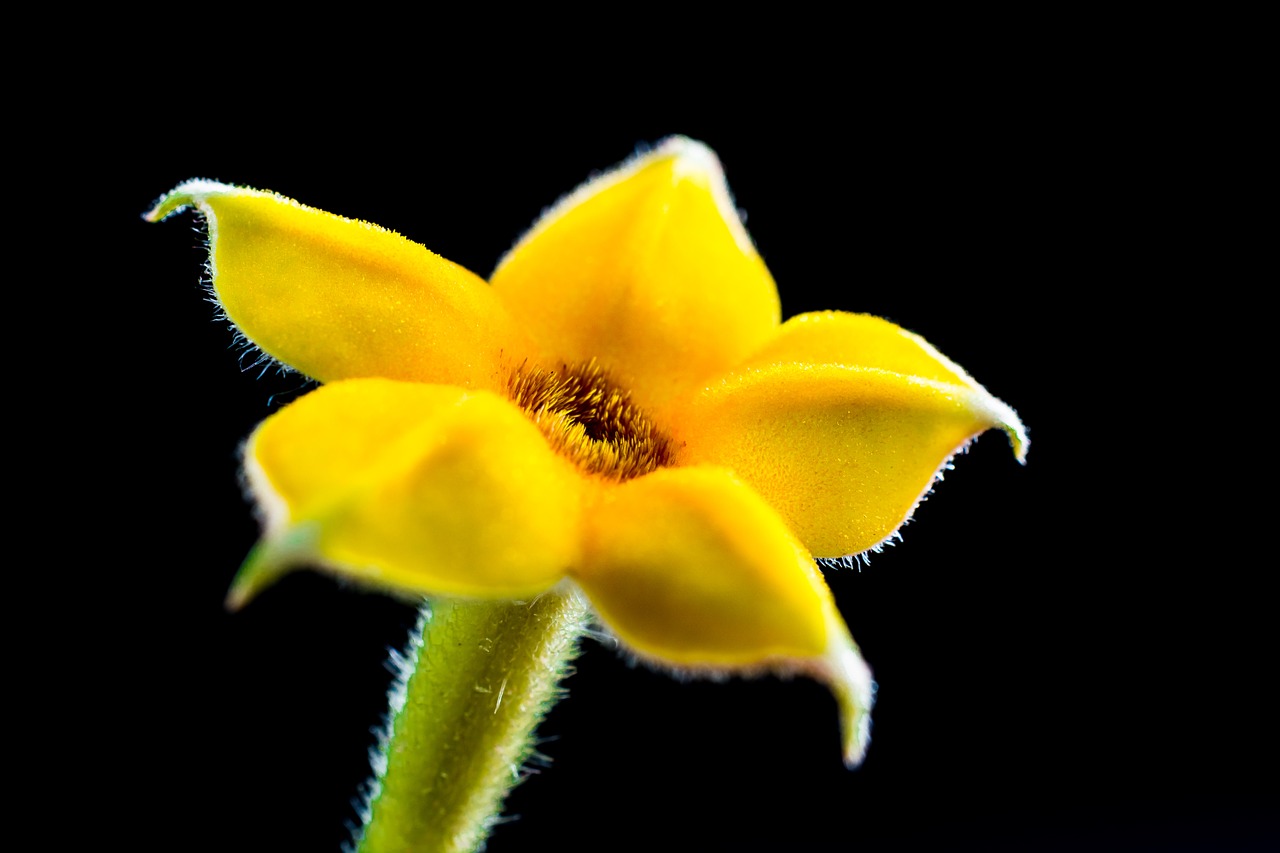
pixel 479 678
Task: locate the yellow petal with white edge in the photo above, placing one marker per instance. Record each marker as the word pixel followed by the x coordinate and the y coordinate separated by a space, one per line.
pixel 416 488
pixel 694 572
pixel 337 298
pixel 648 270
pixel 842 423
pixel 862 340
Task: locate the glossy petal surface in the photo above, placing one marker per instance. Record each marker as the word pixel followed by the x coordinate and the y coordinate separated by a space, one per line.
pixel 841 423
pixel 648 270
pixel 421 488
pixel 337 298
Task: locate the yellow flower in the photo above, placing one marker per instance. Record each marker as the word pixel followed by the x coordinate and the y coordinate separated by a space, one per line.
pixel 619 408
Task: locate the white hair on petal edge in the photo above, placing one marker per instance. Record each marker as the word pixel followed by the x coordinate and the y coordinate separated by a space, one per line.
pixel 690 158
pixel 863 558
pixel 784 668
pixel 249 356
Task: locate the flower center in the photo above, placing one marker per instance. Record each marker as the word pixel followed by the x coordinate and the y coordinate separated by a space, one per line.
pixel 590 420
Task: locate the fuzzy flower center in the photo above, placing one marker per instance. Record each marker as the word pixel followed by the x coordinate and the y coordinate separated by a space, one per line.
pixel 590 420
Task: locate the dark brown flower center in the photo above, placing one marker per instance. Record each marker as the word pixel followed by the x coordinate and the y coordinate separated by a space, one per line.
pixel 590 420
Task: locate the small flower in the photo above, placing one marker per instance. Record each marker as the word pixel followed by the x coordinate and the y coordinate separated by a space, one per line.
pixel 619 408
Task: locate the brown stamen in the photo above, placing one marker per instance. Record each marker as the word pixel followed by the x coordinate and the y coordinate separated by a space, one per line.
pixel 590 420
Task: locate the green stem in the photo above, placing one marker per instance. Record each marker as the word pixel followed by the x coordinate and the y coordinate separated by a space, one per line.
pixel 481 676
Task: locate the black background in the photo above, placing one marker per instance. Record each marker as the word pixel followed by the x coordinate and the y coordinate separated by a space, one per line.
pixel 1055 673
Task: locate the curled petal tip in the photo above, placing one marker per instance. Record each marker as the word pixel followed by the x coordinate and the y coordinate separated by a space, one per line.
pixel 690 154
pixel 269 560
pixel 850 680
pixel 255 574
pixel 1020 448
pixel 1017 433
pixel 237 597
pixel 186 194
pixel 998 413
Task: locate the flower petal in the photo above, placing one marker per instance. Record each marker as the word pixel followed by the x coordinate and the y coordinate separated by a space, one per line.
pixel 337 298
pixel 648 270
pixel 693 571
pixel 842 424
pixel 420 488
pixel 862 340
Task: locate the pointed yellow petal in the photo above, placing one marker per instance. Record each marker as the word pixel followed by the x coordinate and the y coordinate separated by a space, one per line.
pixel 417 488
pixel 842 424
pixel 692 570
pixel 648 270
pixel 336 298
